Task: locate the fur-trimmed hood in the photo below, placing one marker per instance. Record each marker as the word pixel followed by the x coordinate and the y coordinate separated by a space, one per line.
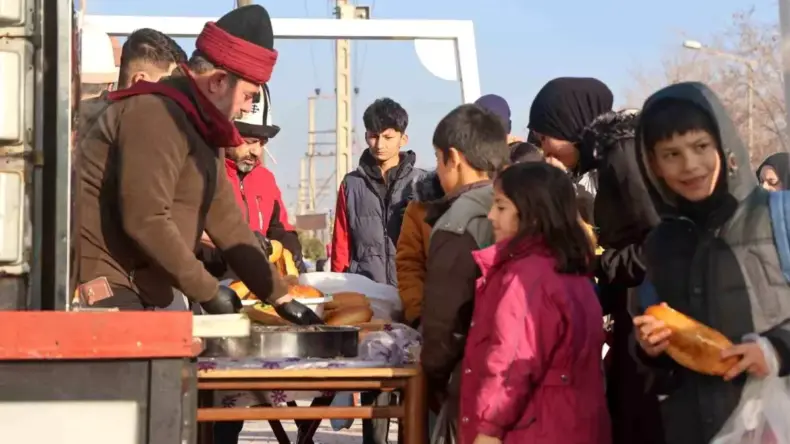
pixel 428 188
pixel 603 133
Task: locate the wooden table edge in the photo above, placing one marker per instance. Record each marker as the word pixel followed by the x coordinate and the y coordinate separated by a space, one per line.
pixel 313 373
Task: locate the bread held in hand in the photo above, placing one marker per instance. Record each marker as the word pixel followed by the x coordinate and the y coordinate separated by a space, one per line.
pixel 692 344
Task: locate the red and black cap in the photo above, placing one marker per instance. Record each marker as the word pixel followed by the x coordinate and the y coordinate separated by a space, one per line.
pixel 242 42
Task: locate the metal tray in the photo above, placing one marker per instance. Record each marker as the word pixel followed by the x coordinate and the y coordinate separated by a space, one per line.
pixel 325 342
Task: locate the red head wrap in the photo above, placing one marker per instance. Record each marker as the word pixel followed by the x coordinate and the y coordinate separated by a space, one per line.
pixel 241 57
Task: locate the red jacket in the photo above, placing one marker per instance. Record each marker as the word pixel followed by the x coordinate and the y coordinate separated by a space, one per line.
pixel 258 197
pixel 532 363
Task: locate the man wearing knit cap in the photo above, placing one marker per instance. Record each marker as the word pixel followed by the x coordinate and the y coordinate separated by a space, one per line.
pixel 498 105
pixel 151 180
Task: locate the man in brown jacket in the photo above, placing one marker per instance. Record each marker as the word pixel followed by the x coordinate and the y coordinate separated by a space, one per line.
pixel 151 179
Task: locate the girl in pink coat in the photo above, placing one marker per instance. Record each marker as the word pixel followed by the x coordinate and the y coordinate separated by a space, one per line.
pixel 532 363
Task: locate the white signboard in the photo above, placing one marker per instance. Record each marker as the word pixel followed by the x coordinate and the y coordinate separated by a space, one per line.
pixel 69 422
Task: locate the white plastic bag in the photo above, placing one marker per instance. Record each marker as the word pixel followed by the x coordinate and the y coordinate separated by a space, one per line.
pixel 384 299
pixel 763 415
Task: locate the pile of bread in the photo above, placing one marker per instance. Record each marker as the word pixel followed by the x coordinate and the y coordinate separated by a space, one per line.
pixel 345 308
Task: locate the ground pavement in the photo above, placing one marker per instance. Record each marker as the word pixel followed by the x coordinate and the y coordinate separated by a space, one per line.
pixel 258 432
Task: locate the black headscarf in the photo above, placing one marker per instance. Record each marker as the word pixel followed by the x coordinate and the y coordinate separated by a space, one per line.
pixel 780 162
pixel 566 105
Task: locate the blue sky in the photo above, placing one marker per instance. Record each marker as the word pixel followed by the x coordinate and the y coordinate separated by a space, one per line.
pixel 521 45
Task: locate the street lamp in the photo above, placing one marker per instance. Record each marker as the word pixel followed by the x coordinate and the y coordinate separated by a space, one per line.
pixel 751 66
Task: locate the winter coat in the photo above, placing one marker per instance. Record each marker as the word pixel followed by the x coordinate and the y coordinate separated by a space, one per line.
pixel 415 236
pixel 368 217
pixel 722 270
pixel 532 363
pixel 260 200
pixel 148 184
pixel 459 227
pixel 624 215
pixel 258 195
pixel 623 211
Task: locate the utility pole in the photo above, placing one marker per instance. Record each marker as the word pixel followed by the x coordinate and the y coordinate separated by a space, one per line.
pixel 311 151
pixel 784 21
pixel 343 11
pixel 301 196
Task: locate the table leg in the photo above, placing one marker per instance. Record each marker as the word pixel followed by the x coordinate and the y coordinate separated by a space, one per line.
pixel 279 432
pixel 205 429
pixel 415 427
pixel 308 428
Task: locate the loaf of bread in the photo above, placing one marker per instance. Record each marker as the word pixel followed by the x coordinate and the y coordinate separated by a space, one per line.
pixel 304 291
pixel 347 299
pixel 693 344
pixel 348 316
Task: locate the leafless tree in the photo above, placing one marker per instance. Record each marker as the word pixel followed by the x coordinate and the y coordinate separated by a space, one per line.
pixel 750 39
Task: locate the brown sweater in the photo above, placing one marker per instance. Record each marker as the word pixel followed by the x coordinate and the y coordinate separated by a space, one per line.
pixel 148 185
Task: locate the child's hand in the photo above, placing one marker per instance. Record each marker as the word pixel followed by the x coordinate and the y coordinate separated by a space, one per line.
pixel 752 360
pixel 484 439
pixel 652 334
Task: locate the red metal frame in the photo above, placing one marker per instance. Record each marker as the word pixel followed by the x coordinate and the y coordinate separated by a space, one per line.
pixel 90 335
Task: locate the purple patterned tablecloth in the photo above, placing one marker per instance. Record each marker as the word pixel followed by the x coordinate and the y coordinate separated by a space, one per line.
pixel 396 344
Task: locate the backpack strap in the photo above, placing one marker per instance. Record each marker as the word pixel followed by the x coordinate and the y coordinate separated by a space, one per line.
pixel 779 207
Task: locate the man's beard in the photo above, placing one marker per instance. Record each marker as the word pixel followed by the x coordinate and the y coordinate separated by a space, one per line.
pixel 244 167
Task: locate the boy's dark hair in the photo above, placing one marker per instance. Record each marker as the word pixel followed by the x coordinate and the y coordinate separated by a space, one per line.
pixel 525 152
pixel 149 46
pixel 669 117
pixel 477 134
pixel 384 114
pixel 547 209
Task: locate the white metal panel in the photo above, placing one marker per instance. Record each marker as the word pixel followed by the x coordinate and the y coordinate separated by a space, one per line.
pixel 12 217
pixel 12 12
pixel 11 94
pixel 460 31
pixel 83 422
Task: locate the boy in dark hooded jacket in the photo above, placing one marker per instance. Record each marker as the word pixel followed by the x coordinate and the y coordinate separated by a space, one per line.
pixel 712 257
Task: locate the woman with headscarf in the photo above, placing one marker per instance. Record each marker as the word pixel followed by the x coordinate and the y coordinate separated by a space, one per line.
pixel 575 125
pixel 774 172
pixel 559 114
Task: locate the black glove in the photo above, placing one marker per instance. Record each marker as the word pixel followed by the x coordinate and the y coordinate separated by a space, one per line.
pixel 298 313
pixel 266 245
pixel 226 301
